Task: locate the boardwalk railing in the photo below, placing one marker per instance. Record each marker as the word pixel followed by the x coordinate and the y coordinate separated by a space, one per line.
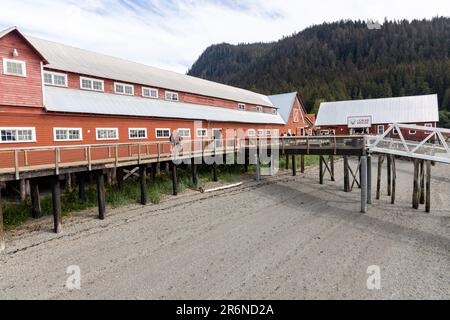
pixel 435 146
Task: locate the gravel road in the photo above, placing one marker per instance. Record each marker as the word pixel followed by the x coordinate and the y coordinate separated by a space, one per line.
pixel 284 238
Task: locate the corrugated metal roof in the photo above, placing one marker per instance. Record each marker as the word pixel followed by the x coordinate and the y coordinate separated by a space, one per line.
pixel 284 103
pixel 71 59
pixel 81 101
pixel 6 31
pixel 385 110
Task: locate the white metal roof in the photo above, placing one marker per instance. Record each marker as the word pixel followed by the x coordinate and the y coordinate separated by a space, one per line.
pixel 81 101
pixel 71 59
pixel 284 102
pixel 385 110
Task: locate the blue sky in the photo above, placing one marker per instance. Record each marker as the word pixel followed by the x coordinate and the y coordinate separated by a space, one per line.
pixel 171 34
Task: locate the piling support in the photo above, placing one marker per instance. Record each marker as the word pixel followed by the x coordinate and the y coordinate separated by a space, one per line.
pixel 331 158
pixel 119 175
pixel 174 180
pixel 394 180
pixel 215 171
pixel 56 200
pixel 346 175
pixel 287 161
pixel 321 169
pixel 294 165
pixel 380 168
pixel 428 186
pixel 363 175
pixel 35 199
pixel 2 238
pixel 257 167
pixel 101 195
pixel 369 179
pixel 422 183
pixel 246 157
pixel 415 195
pixel 82 187
pixel 23 189
pixel 388 173
pixel 302 163
pixel 142 183
pixel 194 172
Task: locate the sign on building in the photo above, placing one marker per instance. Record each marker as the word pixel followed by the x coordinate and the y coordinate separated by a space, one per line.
pixel 359 122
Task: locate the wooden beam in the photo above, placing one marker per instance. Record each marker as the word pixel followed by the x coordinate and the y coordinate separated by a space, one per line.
pixel 101 195
pixel 321 169
pixel 294 165
pixel 215 171
pixel 142 183
pixel 380 168
pixel 174 179
pixel 257 167
pixel 194 173
pixel 394 180
pixel 331 158
pixel 428 187
pixel 346 175
pixel 415 195
pixel 2 237
pixel 35 199
pixel 422 183
pixel 82 187
pixel 363 175
pixel 23 189
pixel 56 201
pixel 388 173
pixel 120 177
pixel 369 179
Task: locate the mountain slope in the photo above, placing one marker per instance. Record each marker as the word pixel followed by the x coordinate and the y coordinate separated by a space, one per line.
pixel 340 61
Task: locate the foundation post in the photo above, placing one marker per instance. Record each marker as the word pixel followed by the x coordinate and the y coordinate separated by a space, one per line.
pixel 101 195
pixel 394 180
pixel 35 200
pixel 388 173
pixel 82 187
pixel 331 158
pixel 174 180
pixel 369 179
pixel 56 200
pixel 363 175
pixel 2 238
pixel 194 172
pixel 302 163
pixel 321 169
pixel 142 182
pixel 294 165
pixel 422 183
pixel 415 195
pixel 380 167
pixel 428 187
pixel 346 175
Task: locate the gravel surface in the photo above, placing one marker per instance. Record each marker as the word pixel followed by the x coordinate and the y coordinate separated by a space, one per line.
pixel 284 238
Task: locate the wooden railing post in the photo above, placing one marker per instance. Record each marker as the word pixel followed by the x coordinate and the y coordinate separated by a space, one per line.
pixel 57 161
pixel 16 164
pixel 89 158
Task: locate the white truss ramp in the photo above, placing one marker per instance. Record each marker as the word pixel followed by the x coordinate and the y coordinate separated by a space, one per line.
pixel 435 146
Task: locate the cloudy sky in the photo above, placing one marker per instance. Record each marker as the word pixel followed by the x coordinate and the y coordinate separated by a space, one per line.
pixel 171 34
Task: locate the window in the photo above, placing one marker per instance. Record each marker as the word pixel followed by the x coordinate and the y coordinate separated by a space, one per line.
pixel 122 88
pixel 202 133
pixel 428 125
pixel 183 132
pixel 412 131
pixel 259 109
pixel 394 131
pixel 241 106
pixel 380 129
pixel 14 68
pixel 268 132
pixel 107 133
pixel 162 133
pixel 295 115
pixel 324 132
pixel 91 84
pixel 260 132
pixel 171 96
pixel 251 132
pixel 55 79
pixel 13 135
pixel 150 93
pixel 67 134
pixel 137 133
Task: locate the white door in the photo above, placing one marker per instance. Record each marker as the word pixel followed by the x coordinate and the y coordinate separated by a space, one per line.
pixel 217 136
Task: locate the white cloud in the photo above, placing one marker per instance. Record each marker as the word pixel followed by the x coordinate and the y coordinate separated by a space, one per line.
pixel 172 33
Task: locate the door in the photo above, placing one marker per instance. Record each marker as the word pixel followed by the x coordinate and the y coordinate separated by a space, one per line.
pixel 217 136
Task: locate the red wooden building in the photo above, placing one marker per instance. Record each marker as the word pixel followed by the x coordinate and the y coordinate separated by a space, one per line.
pixel 53 94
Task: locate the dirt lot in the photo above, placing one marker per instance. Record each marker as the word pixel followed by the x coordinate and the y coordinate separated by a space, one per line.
pixel 285 238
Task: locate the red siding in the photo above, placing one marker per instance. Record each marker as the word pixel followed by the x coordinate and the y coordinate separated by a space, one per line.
pixel 295 126
pixel 20 91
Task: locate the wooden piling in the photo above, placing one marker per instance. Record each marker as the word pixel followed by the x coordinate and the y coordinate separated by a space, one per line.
pixel 35 199
pixel 369 179
pixel 23 189
pixel 194 172
pixel 215 171
pixel 422 183
pixel 287 161
pixel 142 183
pixel 331 158
pixel 174 180
pixel 294 165
pixel 56 201
pixel 415 195
pixel 389 173
pixel 257 167
pixel 346 175
pixel 2 237
pixel 101 195
pixel 82 187
pixel 246 157
pixel 321 169
pixel 428 186
pixel 394 180
pixel 119 176
pixel 363 175
pixel 380 168
pixel 302 163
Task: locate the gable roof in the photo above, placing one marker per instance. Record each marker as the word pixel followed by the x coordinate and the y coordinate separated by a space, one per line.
pixel 284 102
pixel 14 29
pixel 409 109
pixel 88 102
pixel 66 58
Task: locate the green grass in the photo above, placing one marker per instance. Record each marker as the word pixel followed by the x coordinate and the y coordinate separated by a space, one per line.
pixel 16 213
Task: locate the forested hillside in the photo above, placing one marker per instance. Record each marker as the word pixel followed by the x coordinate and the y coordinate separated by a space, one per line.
pixel 340 61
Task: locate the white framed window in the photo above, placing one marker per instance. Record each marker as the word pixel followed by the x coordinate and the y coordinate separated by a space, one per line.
pixel 67 134
pixel 171 96
pixel 150 92
pixel 202 133
pixel 380 128
pixel 55 79
pixel 92 84
pixel 14 67
pixel 412 131
pixel 107 133
pixel 123 88
pixel 260 132
pixel 162 133
pixel 324 132
pixel 268 132
pixel 429 125
pixel 259 109
pixel 251 132
pixel 241 106
pixel 17 134
pixel 137 133
pixel 184 132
